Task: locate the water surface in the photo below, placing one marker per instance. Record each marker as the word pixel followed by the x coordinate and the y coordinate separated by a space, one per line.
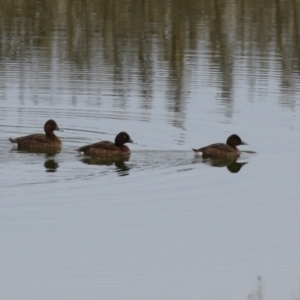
pixel 164 224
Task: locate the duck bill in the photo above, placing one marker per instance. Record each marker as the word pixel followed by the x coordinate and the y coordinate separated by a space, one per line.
pixel 58 129
pixel 131 141
pixel 243 143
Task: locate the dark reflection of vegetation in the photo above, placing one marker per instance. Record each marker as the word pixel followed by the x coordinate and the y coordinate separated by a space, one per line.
pixel 130 36
pixel 258 291
pixel 233 166
pixel 121 168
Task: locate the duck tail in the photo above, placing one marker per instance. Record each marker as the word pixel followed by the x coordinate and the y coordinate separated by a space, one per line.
pixel 15 143
pixel 197 152
pixel 80 151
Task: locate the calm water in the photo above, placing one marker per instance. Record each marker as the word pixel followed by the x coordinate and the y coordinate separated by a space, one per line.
pixel 163 225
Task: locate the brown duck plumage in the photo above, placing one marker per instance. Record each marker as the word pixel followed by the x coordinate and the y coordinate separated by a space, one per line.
pixel 222 150
pixel 108 149
pixel 40 141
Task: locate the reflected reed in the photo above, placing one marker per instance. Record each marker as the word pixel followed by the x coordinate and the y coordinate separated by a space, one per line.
pixel 128 38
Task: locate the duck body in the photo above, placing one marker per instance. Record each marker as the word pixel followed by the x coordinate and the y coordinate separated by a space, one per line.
pixel 221 150
pixel 107 148
pixel 40 141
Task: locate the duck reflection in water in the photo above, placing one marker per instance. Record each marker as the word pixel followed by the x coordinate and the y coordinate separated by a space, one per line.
pixel 38 141
pixel 119 162
pixel 233 166
pixel 50 164
pixel 49 152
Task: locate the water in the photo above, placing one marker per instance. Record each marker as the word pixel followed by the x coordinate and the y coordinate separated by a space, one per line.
pixel 164 224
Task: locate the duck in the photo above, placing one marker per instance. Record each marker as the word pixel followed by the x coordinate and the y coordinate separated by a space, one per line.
pixel 220 150
pixel 107 148
pixel 40 141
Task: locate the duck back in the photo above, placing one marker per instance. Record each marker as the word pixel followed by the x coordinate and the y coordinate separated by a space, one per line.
pixel 218 150
pixel 104 148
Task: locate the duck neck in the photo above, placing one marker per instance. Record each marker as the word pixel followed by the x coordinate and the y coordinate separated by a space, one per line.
pixel 51 135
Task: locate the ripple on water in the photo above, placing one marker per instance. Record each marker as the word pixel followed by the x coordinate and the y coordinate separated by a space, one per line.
pixel 40 169
pixel 25 167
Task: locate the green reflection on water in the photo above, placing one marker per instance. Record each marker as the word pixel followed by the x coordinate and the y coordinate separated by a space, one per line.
pixel 130 36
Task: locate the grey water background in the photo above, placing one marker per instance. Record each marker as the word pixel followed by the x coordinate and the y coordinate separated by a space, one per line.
pixel 163 225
